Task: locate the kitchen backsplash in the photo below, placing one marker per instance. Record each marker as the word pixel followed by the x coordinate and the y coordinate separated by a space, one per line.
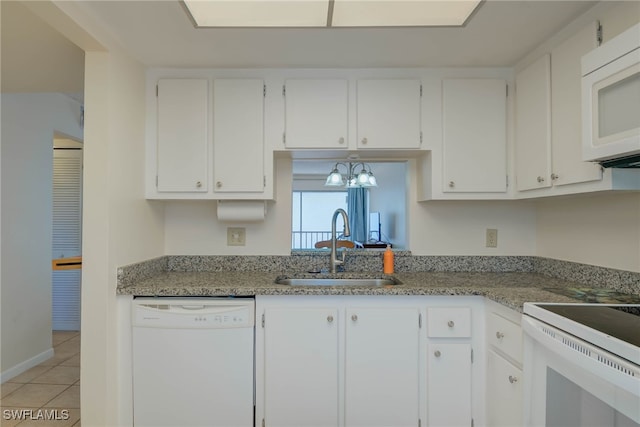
pixel 371 261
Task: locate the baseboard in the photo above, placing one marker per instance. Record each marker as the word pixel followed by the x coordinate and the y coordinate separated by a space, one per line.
pixel 25 366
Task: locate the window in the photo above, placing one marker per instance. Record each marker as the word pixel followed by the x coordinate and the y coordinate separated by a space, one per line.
pixel 311 217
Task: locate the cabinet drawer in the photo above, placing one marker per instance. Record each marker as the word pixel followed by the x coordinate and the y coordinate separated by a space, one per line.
pixel 449 322
pixel 505 336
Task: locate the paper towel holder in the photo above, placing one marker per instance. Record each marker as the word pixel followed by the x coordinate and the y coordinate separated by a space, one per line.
pixel 241 210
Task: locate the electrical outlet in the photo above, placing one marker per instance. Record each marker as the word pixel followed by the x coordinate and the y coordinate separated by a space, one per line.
pixel 235 236
pixel 492 238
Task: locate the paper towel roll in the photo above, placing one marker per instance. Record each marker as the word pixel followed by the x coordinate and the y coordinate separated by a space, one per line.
pixel 241 210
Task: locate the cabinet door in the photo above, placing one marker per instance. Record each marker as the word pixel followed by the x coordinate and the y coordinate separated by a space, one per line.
pixel 449 384
pixel 316 113
pixel 301 367
pixel 238 135
pixel 182 135
pixel 389 113
pixel 504 392
pixel 533 125
pixel 566 137
pixel 382 367
pixel 474 135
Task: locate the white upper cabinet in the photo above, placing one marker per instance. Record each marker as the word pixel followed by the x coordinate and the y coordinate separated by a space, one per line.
pixel 533 125
pixel 182 135
pixel 566 119
pixel 206 139
pixel 316 113
pixel 238 135
pixel 474 140
pixel 549 126
pixel 388 114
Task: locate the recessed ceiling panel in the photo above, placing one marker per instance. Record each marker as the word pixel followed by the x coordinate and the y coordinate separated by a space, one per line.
pixel 258 13
pixel 399 13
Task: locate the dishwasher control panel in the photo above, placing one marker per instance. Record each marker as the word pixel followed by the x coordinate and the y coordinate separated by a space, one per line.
pixel 193 314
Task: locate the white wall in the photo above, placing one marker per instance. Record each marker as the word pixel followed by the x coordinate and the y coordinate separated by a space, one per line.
pixel 120 227
pixel 28 125
pixel 435 228
pixel 192 228
pixel 599 229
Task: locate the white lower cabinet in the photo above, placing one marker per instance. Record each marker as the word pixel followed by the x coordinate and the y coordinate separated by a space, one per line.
pixel 449 384
pixel 301 366
pixel 504 367
pixel 382 366
pixel 367 361
pixel 504 387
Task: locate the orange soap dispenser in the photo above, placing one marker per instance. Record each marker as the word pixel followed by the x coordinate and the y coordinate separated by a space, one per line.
pixel 387 261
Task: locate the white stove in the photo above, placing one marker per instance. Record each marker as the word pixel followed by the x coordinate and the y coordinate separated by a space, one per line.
pixel 582 364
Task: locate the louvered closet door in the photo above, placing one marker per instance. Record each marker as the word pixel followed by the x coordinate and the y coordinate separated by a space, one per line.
pixel 67 236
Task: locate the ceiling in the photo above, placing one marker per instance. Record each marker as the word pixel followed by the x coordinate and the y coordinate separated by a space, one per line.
pixel 160 34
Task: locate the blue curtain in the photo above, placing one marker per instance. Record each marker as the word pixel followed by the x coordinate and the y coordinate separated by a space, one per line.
pixel 357 209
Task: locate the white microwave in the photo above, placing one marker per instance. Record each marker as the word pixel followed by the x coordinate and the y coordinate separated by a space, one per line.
pixel 611 99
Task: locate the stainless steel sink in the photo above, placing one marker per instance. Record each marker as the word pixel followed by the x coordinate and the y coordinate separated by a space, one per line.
pixel 331 281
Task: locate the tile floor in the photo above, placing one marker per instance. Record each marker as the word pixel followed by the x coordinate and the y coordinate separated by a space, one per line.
pixel 49 390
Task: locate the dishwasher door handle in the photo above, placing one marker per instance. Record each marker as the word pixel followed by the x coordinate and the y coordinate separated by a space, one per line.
pixel 193 307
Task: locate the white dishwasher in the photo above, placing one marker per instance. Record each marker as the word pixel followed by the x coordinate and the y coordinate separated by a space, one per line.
pixel 193 362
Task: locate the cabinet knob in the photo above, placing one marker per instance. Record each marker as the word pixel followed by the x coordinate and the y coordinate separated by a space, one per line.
pixel 341 140
pixel 329 318
pixel 452 184
pixel 450 323
pixel 540 179
pixel 554 176
pixel 499 335
pixel 219 184
pixel 364 140
pixel 437 353
pixel 354 317
pixel 198 184
pixel 513 379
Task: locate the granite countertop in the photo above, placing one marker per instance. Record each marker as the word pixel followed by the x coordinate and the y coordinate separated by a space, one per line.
pixel 511 289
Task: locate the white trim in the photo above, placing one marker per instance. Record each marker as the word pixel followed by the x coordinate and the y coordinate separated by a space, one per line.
pixel 25 365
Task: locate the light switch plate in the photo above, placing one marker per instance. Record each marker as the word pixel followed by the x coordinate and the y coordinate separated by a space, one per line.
pixel 235 236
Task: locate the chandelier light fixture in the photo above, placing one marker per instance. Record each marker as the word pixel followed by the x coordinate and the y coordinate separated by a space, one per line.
pixel 363 178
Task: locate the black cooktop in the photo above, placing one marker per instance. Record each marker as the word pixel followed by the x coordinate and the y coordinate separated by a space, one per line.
pixel 597 295
pixel 618 321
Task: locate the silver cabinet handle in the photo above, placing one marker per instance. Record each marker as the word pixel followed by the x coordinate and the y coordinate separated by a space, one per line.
pixel 329 318
pixel 513 379
pixel 437 353
pixel 219 184
pixel 540 179
pixel 499 335
pixel 452 184
pixel 341 140
pixel 364 140
pixel 554 176
pixel 198 184
pixel 450 323
pixel 354 317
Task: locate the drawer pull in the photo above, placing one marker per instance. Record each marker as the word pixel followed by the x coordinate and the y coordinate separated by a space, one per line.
pixel 437 353
pixel 354 317
pixel 513 379
pixel 499 335
pixel 329 318
pixel 450 323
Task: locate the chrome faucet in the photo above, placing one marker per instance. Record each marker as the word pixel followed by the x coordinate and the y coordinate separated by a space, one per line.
pixel 346 232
